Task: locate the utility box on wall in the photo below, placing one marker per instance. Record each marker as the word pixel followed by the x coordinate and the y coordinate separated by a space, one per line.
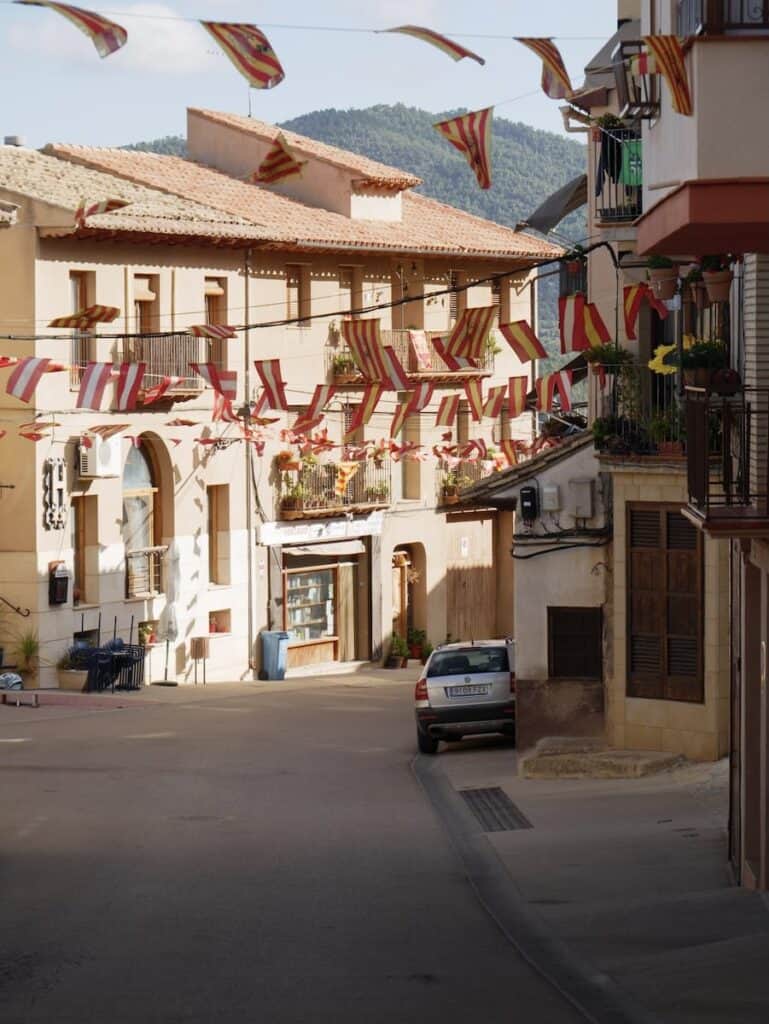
pixel 582 498
pixel 58 583
pixel 529 504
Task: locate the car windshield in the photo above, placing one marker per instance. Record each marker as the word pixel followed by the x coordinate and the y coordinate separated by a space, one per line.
pixel 461 661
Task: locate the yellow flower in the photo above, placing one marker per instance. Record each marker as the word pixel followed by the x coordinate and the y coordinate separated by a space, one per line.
pixel 658 363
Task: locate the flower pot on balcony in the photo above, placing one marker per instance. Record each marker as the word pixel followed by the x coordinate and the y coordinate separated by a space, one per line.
pixel 698 377
pixel 664 281
pixel 670 448
pixel 292 508
pixel 346 378
pixel 718 284
pixel 450 495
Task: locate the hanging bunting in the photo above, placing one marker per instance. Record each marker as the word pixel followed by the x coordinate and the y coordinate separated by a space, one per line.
pixel 495 399
pixel 552 385
pixel 395 376
pixel 6 361
pixel 364 341
pixel 274 396
pixel 155 393
pixel 312 416
pixel 670 62
pixel 443 43
pixel 399 418
pixel 107 430
pixel 453 362
pixel 523 341
pixel 447 411
pixel 106 36
pixel 571 322
pixel 345 471
pixel 222 411
pixel 89 208
pixel 474 392
pixel 517 388
pixel 84 319
pixel 421 397
pixel 555 78
pixel 182 423
pixel 250 52
pixel 510 449
pixel 656 304
pixel 365 410
pixel 25 378
pixel 474 450
pixel 471 135
pixel 632 296
pixel 129 383
pixel 221 332
pixel 224 382
pixel 421 350
pixel 95 378
pixel 596 331
pixel 278 165
pixel 470 332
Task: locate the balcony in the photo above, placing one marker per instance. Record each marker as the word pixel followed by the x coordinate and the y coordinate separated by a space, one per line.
pixel 144 572
pixel 728 462
pixel 722 17
pixel 310 493
pixel 617 160
pixel 449 483
pixel 638 415
pixel 340 365
pixel 170 355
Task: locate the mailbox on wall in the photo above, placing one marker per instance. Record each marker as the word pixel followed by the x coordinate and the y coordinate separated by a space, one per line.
pixel 58 583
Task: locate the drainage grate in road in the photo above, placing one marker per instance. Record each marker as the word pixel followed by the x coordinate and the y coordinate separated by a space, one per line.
pixel 494 809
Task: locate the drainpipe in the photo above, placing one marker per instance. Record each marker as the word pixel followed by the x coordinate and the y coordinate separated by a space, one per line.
pixel 248 457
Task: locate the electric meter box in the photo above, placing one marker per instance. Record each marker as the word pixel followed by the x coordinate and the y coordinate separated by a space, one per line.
pixel 528 503
pixel 551 498
pixel 582 498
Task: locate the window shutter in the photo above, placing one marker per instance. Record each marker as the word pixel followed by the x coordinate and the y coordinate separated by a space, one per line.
pixel 575 643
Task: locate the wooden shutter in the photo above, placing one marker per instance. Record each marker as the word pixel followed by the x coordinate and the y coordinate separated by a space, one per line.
pixel 574 641
pixel 664 648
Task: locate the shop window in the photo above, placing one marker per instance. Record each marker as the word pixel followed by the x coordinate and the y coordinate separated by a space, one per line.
pixel 218 523
pixel 310 603
pixel 220 621
pixel 574 642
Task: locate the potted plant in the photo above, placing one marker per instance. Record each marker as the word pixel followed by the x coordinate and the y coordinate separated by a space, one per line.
pixel 701 359
pixel 71 671
pixel 610 358
pixel 27 653
pixel 292 500
pixel 343 368
pixel 663 276
pixel 377 494
pixel 399 652
pixel 287 460
pixel 416 639
pixel 575 259
pixel 450 486
pixel 694 287
pixel 717 277
pixel 665 430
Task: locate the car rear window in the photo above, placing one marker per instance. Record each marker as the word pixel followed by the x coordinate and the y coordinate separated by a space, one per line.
pixel 461 661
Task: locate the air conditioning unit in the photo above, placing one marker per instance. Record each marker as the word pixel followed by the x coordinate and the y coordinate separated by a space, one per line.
pixel 99 457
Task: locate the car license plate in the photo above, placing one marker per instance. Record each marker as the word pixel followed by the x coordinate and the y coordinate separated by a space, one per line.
pixel 466 691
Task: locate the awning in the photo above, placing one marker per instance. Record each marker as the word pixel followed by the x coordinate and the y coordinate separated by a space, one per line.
pixel 329 549
pixel 599 73
pixel 567 199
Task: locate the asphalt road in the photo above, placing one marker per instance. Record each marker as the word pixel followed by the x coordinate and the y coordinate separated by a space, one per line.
pixel 240 856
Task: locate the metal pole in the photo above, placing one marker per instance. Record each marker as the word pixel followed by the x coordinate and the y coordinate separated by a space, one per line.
pixel 131 631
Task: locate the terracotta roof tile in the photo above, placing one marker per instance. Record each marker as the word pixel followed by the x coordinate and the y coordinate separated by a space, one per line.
pixel 427 226
pixel 370 170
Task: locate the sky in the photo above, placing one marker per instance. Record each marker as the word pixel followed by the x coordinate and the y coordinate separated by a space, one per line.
pixel 56 88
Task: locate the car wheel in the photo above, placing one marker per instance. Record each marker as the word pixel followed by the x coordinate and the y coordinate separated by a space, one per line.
pixel 426 743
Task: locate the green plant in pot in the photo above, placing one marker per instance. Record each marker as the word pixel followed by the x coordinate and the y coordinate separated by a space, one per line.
pixel 71 670
pixel 343 365
pixel 27 652
pixel 575 259
pixel 701 359
pixel 717 276
pixel 608 357
pixel 416 639
pixel 663 276
pixel 399 652
pixel 666 430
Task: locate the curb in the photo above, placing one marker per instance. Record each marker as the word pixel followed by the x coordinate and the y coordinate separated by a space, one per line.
pixel 589 990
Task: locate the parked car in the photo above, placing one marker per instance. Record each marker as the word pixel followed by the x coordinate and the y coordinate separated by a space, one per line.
pixel 466 689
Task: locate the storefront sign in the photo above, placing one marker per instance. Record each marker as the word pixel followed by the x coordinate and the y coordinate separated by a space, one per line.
pixel 309 532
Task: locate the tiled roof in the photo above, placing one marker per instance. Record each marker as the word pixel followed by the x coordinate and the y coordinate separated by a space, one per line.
pixel 369 170
pixel 8 213
pixel 25 172
pixel 427 226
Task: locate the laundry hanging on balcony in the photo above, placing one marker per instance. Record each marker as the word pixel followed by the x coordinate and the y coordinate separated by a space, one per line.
pixel 523 341
pixel 106 36
pixel 278 165
pixel 517 388
pixel 250 52
pixel 224 382
pixel 421 350
pixel 554 385
pixel 471 135
pixel 129 383
pixel 555 78
pixel 84 319
pixel 345 471
pixel 443 43
pixel 447 411
pixel 665 56
pixel 274 394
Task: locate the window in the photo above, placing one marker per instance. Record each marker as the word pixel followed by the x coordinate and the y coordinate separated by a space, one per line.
pixel 463 422
pixel 664 643
pixel 215 296
pixel 297 291
pixel 457 300
pixel 82 285
pixel 218 496
pixel 141 525
pixel 84 524
pixel 145 295
pixel 310 603
pixel 574 643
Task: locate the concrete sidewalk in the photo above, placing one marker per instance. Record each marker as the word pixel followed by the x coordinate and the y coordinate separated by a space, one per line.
pixel 633 876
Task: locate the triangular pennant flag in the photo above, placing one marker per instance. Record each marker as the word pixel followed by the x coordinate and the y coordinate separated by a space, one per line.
pixel 106 36
pixel 421 397
pixel 555 78
pixel 278 165
pixel 523 341
pixel 670 62
pixel 471 135
pixel 130 377
pixel 517 392
pixel 443 43
pixel 250 52
pixel 95 378
pixel 571 322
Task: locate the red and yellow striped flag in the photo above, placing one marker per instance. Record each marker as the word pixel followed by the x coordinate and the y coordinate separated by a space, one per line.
pixel 105 35
pixel 571 322
pixel 547 387
pixel 447 411
pixel 474 392
pixel 365 410
pixel 495 399
pixel 670 62
pixel 345 471
pixel 555 78
pixel 596 330
pixel 517 391
pixel 470 332
pixel 278 165
pixel 85 318
pixel 217 331
pixel 399 418
pixel 250 52
pixel 471 135
pixel 448 46
pixel 510 448
pixel 87 209
pixel 523 341
pixel 632 297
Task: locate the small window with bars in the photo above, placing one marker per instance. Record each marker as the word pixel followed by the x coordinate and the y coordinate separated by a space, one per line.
pixel 575 643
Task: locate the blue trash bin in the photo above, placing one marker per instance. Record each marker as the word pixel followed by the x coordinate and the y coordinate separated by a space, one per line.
pixel 274 654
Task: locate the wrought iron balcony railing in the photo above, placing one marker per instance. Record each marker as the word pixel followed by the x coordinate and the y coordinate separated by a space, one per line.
pixel 312 491
pixel 341 365
pixel 637 413
pixel 170 355
pixel 449 483
pixel 721 17
pixel 618 164
pixel 728 459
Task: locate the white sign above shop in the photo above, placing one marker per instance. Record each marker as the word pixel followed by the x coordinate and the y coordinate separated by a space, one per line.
pixel 309 531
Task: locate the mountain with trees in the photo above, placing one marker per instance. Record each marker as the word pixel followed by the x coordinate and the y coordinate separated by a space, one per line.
pixel 527 166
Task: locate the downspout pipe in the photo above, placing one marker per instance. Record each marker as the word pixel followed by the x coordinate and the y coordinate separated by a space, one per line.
pixel 248 455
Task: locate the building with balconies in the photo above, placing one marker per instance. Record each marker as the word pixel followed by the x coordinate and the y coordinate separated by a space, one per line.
pixel 179 526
